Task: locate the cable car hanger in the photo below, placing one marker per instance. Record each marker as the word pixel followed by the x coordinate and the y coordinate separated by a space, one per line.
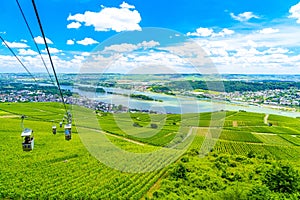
pixel 53 127
pixel 27 134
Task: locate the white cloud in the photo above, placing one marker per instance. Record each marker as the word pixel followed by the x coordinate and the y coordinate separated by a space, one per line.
pixel 87 41
pixel 85 54
pixel 126 47
pixel 52 50
pixel 244 52
pixel 243 17
pixel 254 52
pixel 149 63
pixel 287 37
pixel 126 5
pixel 218 52
pixel 268 31
pixel 295 12
pixel 15 44
pixel 40 40
pixel 276 51
pixel 251 43
pixel 27 52
pixel 224 32
pixel 203 32
pixel 206 32
pixel 148 44
pixel 70 42
pixel 8 63
pixel 23 40
pixel 79 58
pixel 120 19
pixel 147 57
pixel 74 25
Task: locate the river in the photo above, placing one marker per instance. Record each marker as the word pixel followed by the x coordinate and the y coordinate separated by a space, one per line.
pixel 173 104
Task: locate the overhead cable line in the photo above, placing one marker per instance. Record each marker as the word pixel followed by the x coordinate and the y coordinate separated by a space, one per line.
pixel 38 49
pixel 43 34
pixel 17 58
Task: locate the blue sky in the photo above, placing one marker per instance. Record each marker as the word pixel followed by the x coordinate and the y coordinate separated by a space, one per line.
pixel 238 36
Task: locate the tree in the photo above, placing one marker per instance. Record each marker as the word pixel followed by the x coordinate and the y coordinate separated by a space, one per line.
pixel 135 124
pixel 282 178
pixel 258 192
pixel 154 126
pixel 120 107
pixel 180 171
pixel 251 154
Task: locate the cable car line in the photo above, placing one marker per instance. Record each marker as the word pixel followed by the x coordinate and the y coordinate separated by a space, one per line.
pixel 17 58
pixel 38 49
pixel 43 34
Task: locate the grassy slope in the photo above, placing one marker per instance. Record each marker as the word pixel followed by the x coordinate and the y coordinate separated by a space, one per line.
pixel 57 168
pixel 65 169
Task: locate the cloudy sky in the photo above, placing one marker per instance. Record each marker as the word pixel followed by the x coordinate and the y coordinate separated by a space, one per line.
pixel 238 36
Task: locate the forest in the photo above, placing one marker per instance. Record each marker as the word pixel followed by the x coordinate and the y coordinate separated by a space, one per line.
pixel 230 86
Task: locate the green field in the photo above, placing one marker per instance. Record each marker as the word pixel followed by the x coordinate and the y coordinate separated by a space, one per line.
pixel 221 162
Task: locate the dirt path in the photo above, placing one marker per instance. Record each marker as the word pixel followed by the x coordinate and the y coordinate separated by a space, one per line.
pixel 255 133
pixel 9 116
pixel 116 136
pixel 126 139
pixel 266 118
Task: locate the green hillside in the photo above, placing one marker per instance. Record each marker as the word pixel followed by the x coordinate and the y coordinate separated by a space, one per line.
pixel 230 165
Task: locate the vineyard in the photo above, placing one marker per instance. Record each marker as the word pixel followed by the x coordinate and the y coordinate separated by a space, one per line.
pixel 279 142
pixel 60 169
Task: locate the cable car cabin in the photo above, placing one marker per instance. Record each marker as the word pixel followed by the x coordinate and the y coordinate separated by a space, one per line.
pixel 54 130
pixel 68 131
pixel 28 142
